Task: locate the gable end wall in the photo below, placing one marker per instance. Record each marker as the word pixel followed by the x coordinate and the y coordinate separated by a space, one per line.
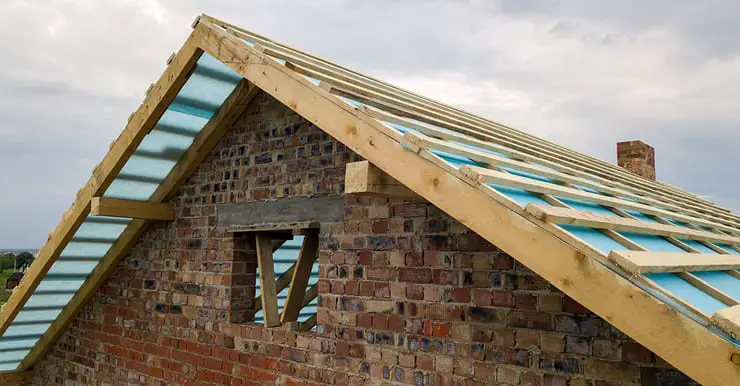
pixel 407 294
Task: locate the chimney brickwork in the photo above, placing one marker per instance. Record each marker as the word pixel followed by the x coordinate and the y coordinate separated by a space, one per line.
pixel 637 157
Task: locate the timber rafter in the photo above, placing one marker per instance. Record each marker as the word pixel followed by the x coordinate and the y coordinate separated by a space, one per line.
pixel 575 267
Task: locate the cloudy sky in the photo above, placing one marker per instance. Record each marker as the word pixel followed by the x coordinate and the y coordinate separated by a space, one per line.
pixel 582 73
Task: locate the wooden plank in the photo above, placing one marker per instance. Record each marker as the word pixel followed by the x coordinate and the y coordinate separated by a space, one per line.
pixel 326 71
pixel 728 320
pixel 644 283
pixel 417 140
pixel 488 176
pixel 141 122
pixel 641 262
pixel 569 216
pixel 569 266
pixel 16 378
pixel 114 207
pixel 553 163
pixel 268 292
pixel 512 141
pixel 202 145
pixel 364 178
pixel 301 274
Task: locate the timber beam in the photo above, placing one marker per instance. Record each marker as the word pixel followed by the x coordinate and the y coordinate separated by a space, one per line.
pixel 14 378
pixel 641 262
pixel 364 178
pixel 728 320
pixel 568 216
pixel 114 207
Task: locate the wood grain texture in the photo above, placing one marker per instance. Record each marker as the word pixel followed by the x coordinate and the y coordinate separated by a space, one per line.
pixel 268 291
pixel 567 216
pixel 230 110
pixel 301 274
pixel 114 207
pixel 641 262
pixel 570 266
pixel 364 178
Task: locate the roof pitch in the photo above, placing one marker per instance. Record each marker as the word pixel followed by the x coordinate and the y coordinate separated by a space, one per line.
pixel 571 218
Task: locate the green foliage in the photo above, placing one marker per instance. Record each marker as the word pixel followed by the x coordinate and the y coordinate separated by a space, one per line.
pixel 10 261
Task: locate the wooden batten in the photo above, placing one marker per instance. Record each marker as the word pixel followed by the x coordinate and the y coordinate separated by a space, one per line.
pixel 114 207
pixel 567 216
pixel 728 320
pixel 139 124
pixel 230 110
pixel 641 262
pixel 488 176
pixel 523 237
pixel 364 178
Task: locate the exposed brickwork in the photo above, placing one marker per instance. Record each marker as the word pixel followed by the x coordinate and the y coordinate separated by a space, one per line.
pixel 407 294
pixel 637 157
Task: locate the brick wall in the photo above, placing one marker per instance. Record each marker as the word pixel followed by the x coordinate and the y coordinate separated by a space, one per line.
pixel 407 294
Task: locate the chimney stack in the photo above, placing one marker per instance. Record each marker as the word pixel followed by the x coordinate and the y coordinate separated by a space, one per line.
pixel 637 157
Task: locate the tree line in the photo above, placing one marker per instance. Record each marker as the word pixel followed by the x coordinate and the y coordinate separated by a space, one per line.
pixel 12 261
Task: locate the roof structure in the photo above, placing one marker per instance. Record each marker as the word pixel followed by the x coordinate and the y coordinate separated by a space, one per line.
pixel 658 263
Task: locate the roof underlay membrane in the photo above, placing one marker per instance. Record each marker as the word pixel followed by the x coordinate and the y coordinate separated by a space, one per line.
pixel 515 169
pixel 198 100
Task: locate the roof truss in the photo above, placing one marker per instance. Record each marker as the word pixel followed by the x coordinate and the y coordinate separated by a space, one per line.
pixel 159 96
pixel 575 267
pixel 569 267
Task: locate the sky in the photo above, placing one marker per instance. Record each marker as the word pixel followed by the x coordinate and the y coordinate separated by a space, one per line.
pixel 581 73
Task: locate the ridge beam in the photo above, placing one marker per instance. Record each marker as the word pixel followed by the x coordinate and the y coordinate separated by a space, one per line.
pixel 114 207
pixel 642 262
pixel 364 178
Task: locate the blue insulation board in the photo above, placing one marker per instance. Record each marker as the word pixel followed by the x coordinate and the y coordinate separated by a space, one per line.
pixel 284 258
pixel 687 292
pixel 201 96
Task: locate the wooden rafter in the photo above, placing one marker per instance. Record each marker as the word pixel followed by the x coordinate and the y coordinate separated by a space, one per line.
pixel 522 236
pixel 573 266
pixel 141 122
pixel 301 274
pixel 268 291
pixel 422 141
pixel 510 141
pixel 579 173
pixel 331 74
pixel 113 207
pixel 213 131
pixel 339 76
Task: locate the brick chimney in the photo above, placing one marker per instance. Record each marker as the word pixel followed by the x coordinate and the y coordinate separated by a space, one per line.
pixel 637 157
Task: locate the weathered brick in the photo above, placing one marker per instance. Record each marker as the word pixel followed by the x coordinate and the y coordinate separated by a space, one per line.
pixel 407 294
